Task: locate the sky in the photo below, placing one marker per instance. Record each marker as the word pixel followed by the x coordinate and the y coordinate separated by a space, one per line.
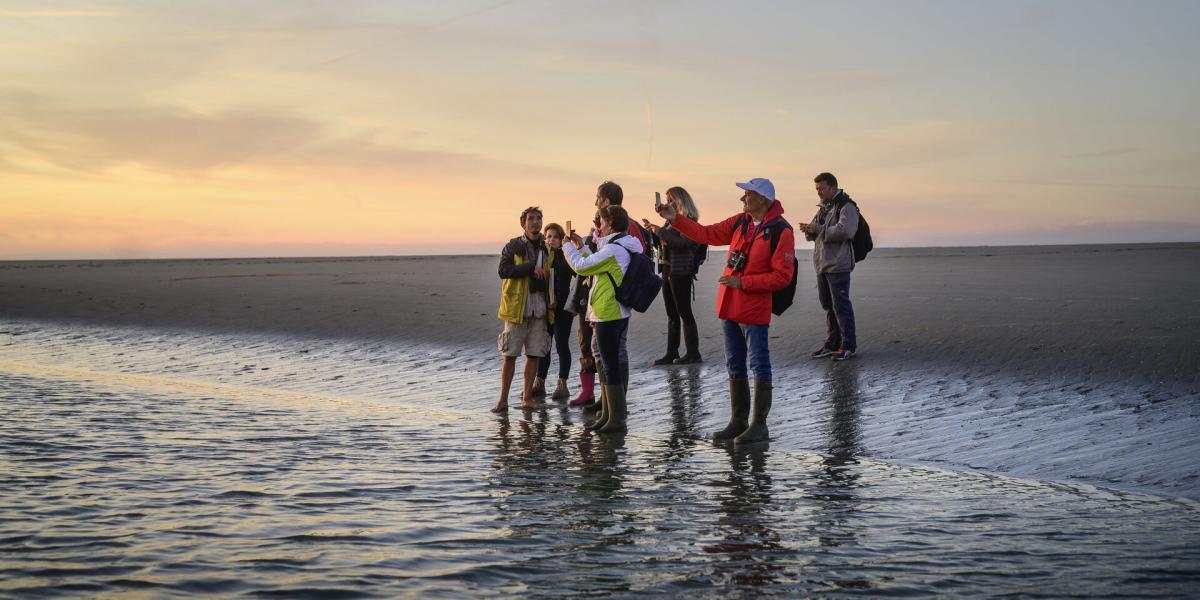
pixel 293 128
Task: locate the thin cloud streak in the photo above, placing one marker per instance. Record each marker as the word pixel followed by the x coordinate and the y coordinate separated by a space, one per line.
pixel 59 14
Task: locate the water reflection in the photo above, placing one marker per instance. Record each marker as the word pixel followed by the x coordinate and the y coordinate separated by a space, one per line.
pixel 522 450
pixel 684 388
pixel 836 486
pixel 751 545
pixel 844 413
pixel 602 472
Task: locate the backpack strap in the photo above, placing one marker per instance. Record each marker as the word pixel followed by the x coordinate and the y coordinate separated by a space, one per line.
pixel 777 231
pixel 615 238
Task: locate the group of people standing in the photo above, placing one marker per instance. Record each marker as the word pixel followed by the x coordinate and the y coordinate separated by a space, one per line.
pixel 553 278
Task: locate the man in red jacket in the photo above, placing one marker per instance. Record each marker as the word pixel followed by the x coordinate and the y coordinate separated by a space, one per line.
pixel 752 273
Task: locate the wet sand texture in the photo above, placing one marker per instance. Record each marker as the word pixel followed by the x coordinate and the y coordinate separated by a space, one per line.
pixel 137 487
pixel 1063 363
pixel 1125 313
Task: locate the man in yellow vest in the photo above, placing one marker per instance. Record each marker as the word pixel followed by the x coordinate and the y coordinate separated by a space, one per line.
pixel 525 300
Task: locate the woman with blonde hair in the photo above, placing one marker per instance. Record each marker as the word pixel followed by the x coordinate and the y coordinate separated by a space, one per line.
pixel 679 260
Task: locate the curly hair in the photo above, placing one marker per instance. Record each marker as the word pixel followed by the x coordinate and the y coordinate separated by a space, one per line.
pixel 528 211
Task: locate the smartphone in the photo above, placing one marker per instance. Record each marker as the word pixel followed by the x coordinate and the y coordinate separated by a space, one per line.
pixel 657 200
pixel 570 229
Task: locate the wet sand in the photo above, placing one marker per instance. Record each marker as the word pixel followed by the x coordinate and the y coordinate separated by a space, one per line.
pixel 1066 363
pixel 125 485
pixel 1127 313
pixel 1021 421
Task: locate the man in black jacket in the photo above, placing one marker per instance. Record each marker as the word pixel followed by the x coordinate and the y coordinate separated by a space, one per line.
pixel 524 306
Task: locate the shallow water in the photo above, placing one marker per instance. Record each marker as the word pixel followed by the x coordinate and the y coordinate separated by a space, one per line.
pixel 167 463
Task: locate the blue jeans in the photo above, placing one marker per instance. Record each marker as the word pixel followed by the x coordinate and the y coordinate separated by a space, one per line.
pixel 736 346
pixel 833 289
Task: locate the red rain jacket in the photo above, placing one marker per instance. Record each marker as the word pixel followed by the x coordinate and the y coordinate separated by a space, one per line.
pixel 764 273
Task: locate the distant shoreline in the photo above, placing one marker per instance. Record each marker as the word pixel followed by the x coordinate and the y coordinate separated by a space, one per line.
pixel 353 257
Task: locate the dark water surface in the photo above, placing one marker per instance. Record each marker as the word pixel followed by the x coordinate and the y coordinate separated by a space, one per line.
pixel 114 482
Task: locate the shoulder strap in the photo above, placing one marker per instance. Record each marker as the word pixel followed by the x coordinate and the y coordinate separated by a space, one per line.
pixel 778 224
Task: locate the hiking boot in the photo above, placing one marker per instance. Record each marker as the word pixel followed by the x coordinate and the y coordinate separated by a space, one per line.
pixel 587 381
pixel 617 411
pixel 539 387
pixel 822 352
pixel 739 410
pixel 757 432
pixel 560 390
pixel 841 355
pixel 688 359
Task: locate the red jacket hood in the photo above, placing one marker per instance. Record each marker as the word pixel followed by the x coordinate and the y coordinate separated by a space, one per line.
pixel 775 210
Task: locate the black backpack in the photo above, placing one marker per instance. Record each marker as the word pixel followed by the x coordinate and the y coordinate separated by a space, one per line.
pixel 862 241
pixel 782 299
pixel 641 284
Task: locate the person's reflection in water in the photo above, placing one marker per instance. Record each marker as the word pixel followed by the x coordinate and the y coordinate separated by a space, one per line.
pixel 684 387
pixel 752 548
pixel 844 417
pixel 836 488
pixel 602 515
pixel 602 471
pixel 524 452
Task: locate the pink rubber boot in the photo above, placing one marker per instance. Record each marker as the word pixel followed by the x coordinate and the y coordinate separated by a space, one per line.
pixel 586 382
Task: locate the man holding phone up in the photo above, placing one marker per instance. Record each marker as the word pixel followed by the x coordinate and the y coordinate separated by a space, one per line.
pixel 753 271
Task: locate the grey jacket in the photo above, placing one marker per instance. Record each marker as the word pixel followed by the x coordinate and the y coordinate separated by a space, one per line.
pixel 833 240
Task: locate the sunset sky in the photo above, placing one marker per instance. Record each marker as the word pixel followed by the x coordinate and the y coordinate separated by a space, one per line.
pixel 285 128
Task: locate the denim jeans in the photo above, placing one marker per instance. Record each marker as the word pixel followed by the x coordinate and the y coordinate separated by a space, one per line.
pixel 608 340
pixel 833 289
pixel 560 332
pixel 736 346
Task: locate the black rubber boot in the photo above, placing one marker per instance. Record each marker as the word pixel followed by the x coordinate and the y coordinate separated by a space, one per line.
pixel 739 410
pixel 757 432
pixel 617 410
pixel 672 345
pixel 691 338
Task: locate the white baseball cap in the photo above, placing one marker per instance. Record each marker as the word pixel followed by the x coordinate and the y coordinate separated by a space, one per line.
pixel 760 185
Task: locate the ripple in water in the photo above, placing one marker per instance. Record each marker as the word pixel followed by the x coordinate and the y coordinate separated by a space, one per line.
pixel 111 488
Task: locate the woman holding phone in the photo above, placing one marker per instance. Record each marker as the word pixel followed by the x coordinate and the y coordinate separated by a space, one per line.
pixel 609 318
pixel 679 261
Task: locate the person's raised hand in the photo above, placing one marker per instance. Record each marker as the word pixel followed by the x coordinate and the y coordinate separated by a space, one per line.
pixel 667 211
pixel 651 226
pixel 575 239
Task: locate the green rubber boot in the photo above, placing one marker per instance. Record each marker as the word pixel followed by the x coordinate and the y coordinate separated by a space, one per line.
pixel 617 411
pixel 758 424
pixel 601 416
pixel 739 410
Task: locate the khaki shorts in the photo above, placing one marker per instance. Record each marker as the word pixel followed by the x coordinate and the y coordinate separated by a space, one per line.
pixel 532 336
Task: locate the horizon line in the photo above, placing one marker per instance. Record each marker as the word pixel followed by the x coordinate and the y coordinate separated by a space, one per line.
pixel 481 254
